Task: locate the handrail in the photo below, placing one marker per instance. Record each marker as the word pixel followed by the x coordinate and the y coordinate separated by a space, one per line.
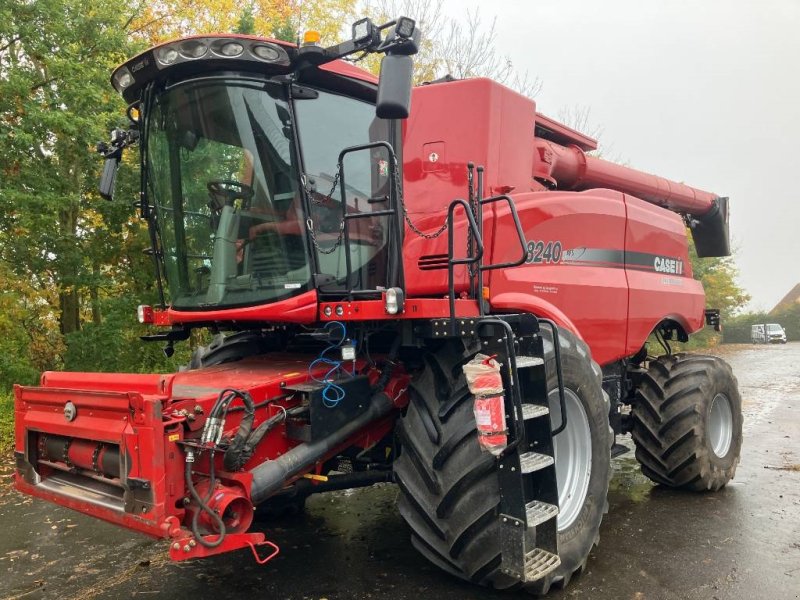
pixel 393 277
pixel 520 234
pixel 451 261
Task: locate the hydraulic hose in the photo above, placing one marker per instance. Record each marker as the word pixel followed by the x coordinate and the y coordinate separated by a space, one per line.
pixel 387 371
pixel 203 504
pixel 236 458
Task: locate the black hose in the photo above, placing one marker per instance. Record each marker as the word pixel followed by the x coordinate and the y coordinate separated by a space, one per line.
pixel 386 374
pixel 271 476
pixel 261 404
pixel 203 505
pixel 240 439
pixel 237 456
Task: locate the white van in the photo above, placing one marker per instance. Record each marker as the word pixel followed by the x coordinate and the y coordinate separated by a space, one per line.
pixel 767 333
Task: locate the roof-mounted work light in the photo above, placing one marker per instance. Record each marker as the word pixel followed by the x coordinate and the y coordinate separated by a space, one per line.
pixel 405 27
pixel 364 30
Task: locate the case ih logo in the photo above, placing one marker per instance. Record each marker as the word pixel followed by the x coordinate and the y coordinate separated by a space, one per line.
pixel 663 264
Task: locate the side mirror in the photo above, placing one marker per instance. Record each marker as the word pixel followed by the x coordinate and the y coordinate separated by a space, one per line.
pixel 108 179
pixel 394 87
pixel 112 152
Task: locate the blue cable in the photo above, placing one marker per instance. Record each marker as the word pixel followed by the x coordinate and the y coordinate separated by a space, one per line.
pixel 332 394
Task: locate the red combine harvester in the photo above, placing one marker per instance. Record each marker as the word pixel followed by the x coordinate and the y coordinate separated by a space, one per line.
pixel 455 299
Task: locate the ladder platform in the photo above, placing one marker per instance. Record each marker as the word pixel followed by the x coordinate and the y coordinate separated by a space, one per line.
pixel 533 461
pixel 539 563
pixel 537 512
pixel 533 411
pixel 524 362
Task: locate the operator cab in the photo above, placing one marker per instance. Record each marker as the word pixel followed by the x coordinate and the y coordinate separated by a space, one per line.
pixel 268 172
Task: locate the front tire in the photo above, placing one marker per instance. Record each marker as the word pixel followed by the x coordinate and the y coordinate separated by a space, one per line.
pixel 687 422
pixel 450 488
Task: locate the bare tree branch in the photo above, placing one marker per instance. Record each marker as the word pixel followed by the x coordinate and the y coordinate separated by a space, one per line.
pixel 460 48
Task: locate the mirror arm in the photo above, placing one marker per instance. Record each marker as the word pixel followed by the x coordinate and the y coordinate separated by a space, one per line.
pixel 112 153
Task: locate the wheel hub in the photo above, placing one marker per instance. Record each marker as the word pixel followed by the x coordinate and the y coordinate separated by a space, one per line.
pixel 573 457
pixel 720 425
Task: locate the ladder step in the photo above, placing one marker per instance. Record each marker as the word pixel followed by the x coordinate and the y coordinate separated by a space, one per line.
pixel 532 411
pixel 538 512
pixel 533 461
pixel 539 563
pixel 524 362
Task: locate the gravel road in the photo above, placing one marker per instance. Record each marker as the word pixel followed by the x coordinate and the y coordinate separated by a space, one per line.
pixel 743 542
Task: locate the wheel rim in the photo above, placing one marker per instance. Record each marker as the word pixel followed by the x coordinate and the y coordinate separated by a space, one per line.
pixel 573 457
pixel 720 425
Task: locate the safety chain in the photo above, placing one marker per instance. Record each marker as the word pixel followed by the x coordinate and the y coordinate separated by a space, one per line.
pixel 411 226
pixel 310 221
pixel 472 268
pixel 396 176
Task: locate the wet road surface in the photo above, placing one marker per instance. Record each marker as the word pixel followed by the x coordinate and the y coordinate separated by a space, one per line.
pixel 742 542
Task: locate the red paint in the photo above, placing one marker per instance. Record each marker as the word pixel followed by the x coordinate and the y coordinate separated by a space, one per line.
pixel 415 308
pixel 611 265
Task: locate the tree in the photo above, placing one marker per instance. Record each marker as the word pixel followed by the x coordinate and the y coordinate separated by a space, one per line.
pixel 54 105
pixel 64 252
pixel 459 48
pixel 160 21
pixel 719 278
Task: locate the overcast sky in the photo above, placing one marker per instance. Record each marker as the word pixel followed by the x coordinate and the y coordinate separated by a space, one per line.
pixel 706 92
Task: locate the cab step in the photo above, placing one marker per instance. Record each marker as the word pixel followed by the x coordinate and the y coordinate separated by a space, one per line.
pixel 533 411
pixel 530 462
pixel 524 362
pixel 537 512
pixel 539 563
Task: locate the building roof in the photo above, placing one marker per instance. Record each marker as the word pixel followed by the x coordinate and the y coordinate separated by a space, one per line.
pixel 793 297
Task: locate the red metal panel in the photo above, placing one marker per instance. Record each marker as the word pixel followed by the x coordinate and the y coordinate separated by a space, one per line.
pixel 474 120
pixel 586 283
pixel 415 308
pixel 129 420
pixel 657 295
pixel 297 309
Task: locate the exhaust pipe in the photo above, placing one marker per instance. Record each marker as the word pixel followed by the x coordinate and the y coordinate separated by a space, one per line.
pixel 271 476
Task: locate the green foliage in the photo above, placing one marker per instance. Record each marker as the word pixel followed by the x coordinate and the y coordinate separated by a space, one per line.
pixel 6 423
pixel 737 329
pixel 285 30
pixel 719 281
pixel 247 21
pixel 114 344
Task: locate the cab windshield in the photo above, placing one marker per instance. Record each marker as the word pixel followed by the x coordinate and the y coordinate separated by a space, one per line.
pixel 224 186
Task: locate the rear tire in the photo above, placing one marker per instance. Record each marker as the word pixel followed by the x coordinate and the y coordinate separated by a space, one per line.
pixel 450 490
pixel 687 422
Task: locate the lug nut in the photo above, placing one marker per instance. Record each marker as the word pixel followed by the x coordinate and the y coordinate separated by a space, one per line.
pixel 187 548
pixel 192 543
pixel 176 546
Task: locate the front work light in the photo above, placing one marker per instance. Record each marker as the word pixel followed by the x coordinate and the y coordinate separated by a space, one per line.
pixel 363 30
pixel 231 49
pixel 405 27
pixel 167 55
pixel 266 52
pixel 193 49
pixel 393 301
pixel 122 79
